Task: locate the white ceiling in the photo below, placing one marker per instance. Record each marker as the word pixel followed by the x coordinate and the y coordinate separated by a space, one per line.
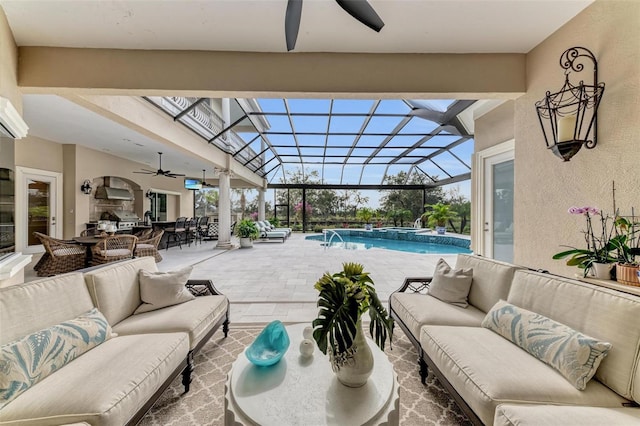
pixel 420 26
pixel 412 26
pixel 54 118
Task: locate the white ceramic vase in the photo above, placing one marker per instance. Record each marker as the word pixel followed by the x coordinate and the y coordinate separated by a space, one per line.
pixel 355 372
pixel 601 271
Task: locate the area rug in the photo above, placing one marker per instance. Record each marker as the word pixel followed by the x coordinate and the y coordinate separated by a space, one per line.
pixel 204 404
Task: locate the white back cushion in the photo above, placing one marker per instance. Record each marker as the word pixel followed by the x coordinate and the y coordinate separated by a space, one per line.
pixel 115 288
pixel 491 280
pixel 599 312
pixel 27 308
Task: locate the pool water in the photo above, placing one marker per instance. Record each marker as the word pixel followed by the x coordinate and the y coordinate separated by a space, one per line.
pixel 352 242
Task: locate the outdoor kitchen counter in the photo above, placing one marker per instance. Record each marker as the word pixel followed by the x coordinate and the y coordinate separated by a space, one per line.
pixel 163 224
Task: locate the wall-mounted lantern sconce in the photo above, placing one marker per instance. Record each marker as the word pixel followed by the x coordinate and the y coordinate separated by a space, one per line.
pixel 148 194
pixel 86 187
pixel 569 116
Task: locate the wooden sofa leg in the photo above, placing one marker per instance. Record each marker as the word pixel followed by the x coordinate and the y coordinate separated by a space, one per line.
pixel 424 371
pixel 225 327
pixel 186 373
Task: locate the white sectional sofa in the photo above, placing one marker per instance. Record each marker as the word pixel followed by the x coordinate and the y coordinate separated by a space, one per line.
pixel 493 379
pixel 117 381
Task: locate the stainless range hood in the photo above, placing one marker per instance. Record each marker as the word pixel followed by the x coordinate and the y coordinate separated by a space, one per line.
pixel 106 192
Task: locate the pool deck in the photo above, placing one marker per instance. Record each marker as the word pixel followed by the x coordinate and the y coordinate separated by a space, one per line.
pixel 274 280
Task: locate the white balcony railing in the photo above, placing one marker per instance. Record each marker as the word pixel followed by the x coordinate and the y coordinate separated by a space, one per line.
pixel 203 120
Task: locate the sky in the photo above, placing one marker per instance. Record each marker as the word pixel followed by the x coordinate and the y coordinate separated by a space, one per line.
pixel 350 168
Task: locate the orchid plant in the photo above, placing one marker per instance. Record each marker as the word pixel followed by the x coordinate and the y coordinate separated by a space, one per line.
pixel 601 240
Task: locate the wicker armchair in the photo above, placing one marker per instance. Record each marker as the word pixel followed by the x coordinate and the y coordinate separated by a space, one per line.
pixel 149 247
pixel 144 234
pixel 112 249
pixel 59 257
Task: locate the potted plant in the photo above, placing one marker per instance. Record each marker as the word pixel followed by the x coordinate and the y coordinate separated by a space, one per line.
pixel 437 216
pixel 247 231
pixel 344 297
pixel 597 257
pixel 365 214
pixel 627 246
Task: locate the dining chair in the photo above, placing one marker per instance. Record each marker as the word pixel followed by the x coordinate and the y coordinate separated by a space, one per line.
pixel 176 232
pixel 60 256
pixel 191 228
pixel 149 246
pixel 112 249
pixel 203 227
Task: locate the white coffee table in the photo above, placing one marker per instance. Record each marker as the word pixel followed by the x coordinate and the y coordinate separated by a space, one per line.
pixel 305 391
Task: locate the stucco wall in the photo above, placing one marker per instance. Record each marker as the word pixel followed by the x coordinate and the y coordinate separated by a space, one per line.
pixel 9 64
pixel 545 186
pixel 80 163
pixel 495 127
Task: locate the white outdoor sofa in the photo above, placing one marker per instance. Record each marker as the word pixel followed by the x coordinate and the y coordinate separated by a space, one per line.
pixel 117 381
pixel 493 380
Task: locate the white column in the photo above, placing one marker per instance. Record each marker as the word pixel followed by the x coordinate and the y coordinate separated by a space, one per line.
pixel 261 204
pixel 226 112
pixel 224 211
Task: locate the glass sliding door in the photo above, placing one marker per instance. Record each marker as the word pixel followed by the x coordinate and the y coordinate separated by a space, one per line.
pixel 39 208
pixel 493 208
pixel 502 218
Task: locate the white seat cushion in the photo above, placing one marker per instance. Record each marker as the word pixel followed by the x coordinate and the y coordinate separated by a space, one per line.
pixel 115 252
pixel 486 370
pixel 560 415
pixel 144 246
pixel 416 310
pixel 194 317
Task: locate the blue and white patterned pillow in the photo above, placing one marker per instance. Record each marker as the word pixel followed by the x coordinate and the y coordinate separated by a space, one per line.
pixel 574 355
pixel 25 362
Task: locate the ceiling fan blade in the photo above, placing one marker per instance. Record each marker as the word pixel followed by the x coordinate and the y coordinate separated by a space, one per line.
pixel 174 174
pixel 146 172
pixel 363 12
pixel 292 22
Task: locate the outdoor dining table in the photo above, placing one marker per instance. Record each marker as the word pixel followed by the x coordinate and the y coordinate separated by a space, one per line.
pixel 88 242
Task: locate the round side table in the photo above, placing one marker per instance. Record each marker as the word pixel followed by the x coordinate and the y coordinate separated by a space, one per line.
pixel 304 391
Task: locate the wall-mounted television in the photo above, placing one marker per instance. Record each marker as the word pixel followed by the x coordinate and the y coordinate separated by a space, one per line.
pixel 193 184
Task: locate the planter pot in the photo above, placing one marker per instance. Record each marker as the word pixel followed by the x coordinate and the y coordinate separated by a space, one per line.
pixel 368 227
pixel 441 230
pixel 627 274
pixel 601 271
pixel 246 243
pixel 356 369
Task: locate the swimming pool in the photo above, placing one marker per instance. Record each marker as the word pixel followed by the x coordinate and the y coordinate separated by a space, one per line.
pixel 399 240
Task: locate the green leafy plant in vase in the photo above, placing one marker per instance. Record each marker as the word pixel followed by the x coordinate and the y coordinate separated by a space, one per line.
pixel 437 216
pixel 344 297
pixel 247 230
pixel 365 214
pixel 627 246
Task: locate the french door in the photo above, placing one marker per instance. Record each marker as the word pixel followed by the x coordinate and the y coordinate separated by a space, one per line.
pixel 494 209
pixel 38 207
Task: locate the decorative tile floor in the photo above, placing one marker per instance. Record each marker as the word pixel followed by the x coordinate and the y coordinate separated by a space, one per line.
pixel 275 280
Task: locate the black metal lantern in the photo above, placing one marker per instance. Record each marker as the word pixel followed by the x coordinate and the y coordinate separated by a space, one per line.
pixel 569 116
pixel 86 187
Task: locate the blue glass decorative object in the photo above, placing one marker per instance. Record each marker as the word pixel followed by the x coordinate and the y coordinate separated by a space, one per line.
pixel 270 345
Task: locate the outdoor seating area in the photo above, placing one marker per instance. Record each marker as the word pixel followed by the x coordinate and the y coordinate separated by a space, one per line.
pixel 60 256
pixel 357 212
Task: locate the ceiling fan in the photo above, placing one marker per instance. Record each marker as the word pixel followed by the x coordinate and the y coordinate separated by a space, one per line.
pixel 160 172
pixel 359 9
pixel 204 181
